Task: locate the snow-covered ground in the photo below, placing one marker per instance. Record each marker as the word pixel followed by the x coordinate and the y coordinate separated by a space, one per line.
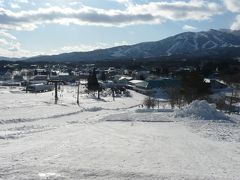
pixel 106 139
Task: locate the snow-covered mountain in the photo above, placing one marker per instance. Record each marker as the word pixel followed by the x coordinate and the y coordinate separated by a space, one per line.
pixel 2 58
pixel 184 43
pixel 212 42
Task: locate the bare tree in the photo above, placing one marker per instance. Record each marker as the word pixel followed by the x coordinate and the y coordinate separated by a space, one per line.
pixel 149 102
pixel 175 97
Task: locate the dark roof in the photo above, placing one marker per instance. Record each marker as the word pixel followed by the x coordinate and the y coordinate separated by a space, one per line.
pixel 160 83
pixel 3 71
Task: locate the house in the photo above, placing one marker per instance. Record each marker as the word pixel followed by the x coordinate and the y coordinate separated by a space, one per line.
pixel 111 72
pixel 10 83
pixel 40 87
pixel 151 86
pixel 66 77
pixel 123 80
pixel 41 72
pixel 163 83
pixel 5 75
pixel 216 85
pixel 3 71
pixel 18 78
pixel 133 83
pixel 83 74
pixel 107 84
pixel 38 79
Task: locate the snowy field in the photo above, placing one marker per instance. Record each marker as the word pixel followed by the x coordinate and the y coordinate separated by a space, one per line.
pixel 106 139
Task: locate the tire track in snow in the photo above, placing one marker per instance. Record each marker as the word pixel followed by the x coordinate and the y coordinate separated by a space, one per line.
pixel 84 109
pixel 22 120
pixel 14 134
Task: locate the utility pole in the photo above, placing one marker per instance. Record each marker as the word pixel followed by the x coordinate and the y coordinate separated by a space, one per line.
pixel 56 92
pixel 78 92
pixel 27 86
pixel 56 82
pixel 113 95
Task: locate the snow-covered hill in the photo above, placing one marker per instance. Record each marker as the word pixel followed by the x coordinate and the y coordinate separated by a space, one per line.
pixel 106 139
pixel 212 42
pixel 184 43
pixel 12 59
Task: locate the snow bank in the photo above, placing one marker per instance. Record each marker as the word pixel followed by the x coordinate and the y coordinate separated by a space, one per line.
pixel 201 110
pixel 153 110
pixel 138 117
pixel 94 109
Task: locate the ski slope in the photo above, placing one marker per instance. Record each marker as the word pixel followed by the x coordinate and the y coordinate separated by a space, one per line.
pixel 106 139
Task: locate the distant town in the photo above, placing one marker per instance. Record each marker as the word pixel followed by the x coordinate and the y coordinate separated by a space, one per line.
pixel 179 82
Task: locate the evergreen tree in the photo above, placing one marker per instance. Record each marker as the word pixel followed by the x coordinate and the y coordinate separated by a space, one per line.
pixel 93 84
pixel 193 87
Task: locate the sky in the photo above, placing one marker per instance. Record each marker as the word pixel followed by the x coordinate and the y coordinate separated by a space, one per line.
pixel 46 27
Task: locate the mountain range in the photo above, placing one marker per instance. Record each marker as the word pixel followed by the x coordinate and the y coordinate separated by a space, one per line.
pixel 196 44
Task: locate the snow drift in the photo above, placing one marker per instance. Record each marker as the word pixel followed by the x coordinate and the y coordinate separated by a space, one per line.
pixel 201 110
pixel 138 117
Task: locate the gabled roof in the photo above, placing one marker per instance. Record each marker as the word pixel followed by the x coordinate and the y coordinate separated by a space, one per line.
pixel 136 81
pixel 125 78
pixel 143 84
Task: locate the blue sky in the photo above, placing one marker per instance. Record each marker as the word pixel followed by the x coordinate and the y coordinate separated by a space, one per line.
pixel 34 27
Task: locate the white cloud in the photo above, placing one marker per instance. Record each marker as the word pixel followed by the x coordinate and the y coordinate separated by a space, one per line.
pixel 180 10
pixel 7 35
pixel 1 3
pixel 9 45
pixel 236 24
pixel 75 3
pixel 15 52
pixel 189 28
pixel 3 42
pixel 28 20
pixel 125 2
pixel 48 4
pixel 233 5
pixel 15 6
pixel 150 13
pixel 22 1
pixel 16 46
